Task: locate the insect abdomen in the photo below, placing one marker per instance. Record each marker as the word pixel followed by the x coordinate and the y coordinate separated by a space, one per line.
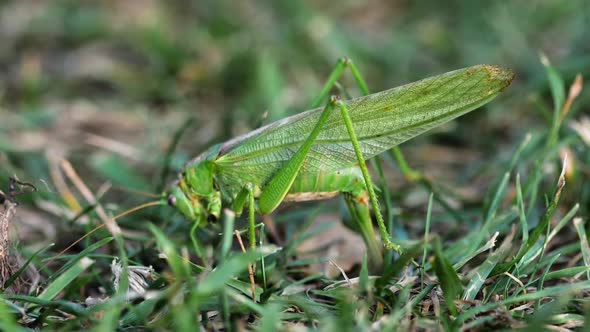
pixel 326 185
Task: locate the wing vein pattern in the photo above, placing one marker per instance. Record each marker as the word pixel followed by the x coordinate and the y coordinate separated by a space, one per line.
pixel 381 121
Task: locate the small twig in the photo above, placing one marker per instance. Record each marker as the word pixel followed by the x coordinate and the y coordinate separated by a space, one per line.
pixel 341 272
pixel 61 186
pixel 111 225
pixel 250 267
pixel 114 146
pixel 511 276
pixel 575 90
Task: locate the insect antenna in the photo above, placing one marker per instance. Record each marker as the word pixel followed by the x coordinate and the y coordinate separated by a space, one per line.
pixel 122 214
pixel 139 207
pixel 15 188
pixel 135 191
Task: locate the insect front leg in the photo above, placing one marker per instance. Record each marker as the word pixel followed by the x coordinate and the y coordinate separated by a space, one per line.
pixel 251 216
pixel 246 199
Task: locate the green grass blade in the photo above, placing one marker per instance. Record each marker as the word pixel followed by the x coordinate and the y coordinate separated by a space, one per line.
pixel 228 234
pixel 547 292
pixel 448 278
pixel 543 227
pixel 74 259
pixel 64 279
pixel 557 87
pixel 491 213
pixel 533 252
pixel 233 266
pixel 271 318
pixel 541 282
pixel 23 268
pixel 566 273
pixel 364 275
pixel 484 270
pixel 177 264
pixel 579 224
pixel 524 226
pixel 139 314
pixel 426 232
pixel 7 321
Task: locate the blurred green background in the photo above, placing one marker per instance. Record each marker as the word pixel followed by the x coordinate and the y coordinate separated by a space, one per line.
pixel 108 84
pixel 128 91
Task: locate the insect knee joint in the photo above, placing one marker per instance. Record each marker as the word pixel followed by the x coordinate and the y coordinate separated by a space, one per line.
pixel 345 60
pixel 335 100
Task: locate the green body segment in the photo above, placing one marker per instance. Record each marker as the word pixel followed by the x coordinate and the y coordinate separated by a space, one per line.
pixel 381 121
pixel 320 185
pixel 326 184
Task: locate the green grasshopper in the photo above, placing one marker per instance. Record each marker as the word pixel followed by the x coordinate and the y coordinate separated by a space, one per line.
pixel 319 153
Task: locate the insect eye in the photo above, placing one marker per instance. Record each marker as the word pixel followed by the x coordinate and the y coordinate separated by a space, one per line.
pixel 171 200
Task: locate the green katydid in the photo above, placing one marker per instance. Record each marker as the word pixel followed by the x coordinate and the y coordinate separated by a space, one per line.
pixel 321 152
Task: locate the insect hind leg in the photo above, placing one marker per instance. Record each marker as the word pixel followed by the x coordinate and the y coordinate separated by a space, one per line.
pixel 342 64
pixel 367 178
pixel 278 186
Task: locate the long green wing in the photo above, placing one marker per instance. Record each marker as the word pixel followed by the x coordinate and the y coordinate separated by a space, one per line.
pixel 381 121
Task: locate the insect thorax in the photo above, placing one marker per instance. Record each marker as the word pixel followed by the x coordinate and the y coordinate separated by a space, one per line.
pixel 196 182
